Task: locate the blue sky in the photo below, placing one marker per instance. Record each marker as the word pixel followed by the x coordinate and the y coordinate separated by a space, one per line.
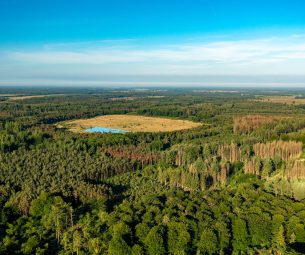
pixel 208 42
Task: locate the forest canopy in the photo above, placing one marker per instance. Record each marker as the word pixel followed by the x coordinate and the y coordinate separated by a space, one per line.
pixel 234 184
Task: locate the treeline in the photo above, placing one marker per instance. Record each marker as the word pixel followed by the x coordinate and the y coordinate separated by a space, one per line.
pixel 262 167
pixel 199 176
pixel 295 170
pixel 284 150
pixel 200 167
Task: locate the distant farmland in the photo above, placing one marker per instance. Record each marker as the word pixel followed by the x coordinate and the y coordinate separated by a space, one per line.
pixel 282 100
pixel 131 123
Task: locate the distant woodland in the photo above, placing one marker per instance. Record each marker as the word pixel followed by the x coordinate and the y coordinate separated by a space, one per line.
pixel 234 185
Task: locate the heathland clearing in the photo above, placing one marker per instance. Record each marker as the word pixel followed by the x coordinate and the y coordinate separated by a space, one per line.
pixel 131 123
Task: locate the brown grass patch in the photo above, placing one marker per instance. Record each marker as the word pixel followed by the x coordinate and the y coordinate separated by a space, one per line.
pixel 131 123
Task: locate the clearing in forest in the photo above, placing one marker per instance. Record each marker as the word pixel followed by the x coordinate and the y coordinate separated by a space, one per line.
pixel 15 98
pixel 131 123
pixel 282 100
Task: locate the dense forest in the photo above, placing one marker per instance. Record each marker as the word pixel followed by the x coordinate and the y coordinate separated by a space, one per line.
pixel 234 185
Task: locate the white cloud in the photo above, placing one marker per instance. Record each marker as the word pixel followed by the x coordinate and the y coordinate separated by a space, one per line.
pixel 274 55
pixel 224 52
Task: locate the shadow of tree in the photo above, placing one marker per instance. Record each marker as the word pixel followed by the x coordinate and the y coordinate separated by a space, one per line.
pixel 118 195
pixel 298 247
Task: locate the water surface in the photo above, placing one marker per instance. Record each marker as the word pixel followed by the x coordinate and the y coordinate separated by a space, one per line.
pixel 105 130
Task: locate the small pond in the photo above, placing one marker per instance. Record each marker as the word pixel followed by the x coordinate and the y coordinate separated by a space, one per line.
pixel 105 130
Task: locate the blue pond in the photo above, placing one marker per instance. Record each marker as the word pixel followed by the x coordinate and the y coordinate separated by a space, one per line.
pixel 105 130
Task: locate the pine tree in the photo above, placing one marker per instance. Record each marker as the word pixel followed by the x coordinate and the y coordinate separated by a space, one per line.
pixel 154 241
pixel 240 235
pixel 279 240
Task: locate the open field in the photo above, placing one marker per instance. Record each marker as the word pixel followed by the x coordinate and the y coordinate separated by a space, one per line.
pixel 123 98
pixel 8 95
pixel 133 98
pixel 132 123
pixel 282 100
pixel 15 98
